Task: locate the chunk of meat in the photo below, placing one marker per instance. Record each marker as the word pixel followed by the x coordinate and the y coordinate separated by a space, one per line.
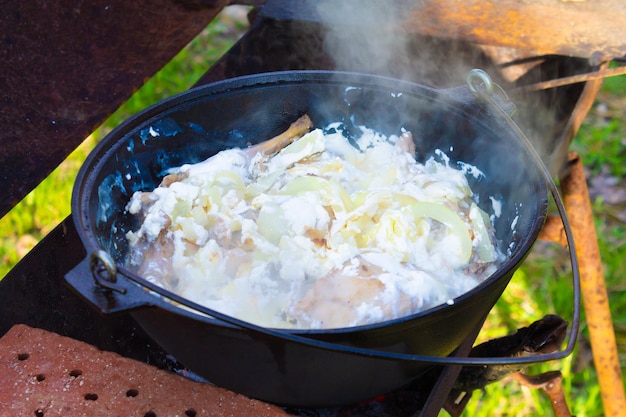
pixel 406 143
pixel 340 298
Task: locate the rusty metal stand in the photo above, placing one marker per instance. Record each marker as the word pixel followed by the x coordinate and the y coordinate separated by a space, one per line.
pixel 594 293
pixel 438 398
pixel 552 384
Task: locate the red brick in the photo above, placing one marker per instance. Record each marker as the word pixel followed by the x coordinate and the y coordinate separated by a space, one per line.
pixel 45 374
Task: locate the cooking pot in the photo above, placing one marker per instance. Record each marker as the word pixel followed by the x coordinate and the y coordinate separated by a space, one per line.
pixel 299 367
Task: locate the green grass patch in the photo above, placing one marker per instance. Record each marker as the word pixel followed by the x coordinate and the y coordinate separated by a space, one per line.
pixel 603 147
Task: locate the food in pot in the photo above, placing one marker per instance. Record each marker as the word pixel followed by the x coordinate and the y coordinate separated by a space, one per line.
pixel 315 230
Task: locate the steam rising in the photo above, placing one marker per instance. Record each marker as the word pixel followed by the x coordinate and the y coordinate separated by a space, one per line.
pixel 369 36
pixel 362 38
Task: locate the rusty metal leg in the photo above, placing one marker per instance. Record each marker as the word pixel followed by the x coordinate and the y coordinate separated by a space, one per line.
pixel 438 397
pixel 594 293
pixel 551 383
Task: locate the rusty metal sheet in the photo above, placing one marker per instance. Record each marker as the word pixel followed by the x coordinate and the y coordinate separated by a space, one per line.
pixel 577 28
pixel 66 66
pixel 580 28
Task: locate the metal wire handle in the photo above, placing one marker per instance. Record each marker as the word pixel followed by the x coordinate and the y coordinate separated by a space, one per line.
pixel 481 86
pixel 104 271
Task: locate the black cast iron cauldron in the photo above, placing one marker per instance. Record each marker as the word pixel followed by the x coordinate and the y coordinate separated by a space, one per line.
pixel 298 367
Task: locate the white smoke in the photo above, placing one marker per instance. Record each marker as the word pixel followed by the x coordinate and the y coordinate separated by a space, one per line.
pixel 370 36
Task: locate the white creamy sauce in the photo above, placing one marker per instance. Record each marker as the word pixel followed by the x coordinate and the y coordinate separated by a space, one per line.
pixel 321 234
pixel 496 206
pixel 471 170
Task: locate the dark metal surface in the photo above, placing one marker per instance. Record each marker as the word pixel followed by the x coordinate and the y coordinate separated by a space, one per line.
pixel 66 66
pixel 34 293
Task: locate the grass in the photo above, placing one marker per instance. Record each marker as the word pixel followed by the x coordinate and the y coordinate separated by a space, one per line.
pixel 540 287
